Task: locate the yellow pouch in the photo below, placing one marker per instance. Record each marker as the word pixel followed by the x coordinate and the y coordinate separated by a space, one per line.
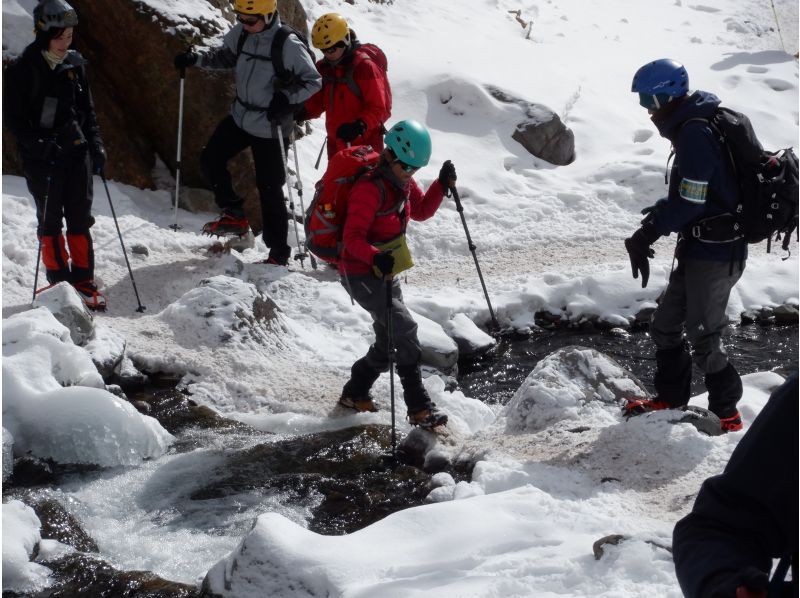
pixel 402 256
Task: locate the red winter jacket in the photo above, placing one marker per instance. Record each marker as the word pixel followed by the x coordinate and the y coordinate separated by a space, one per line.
pixel 341 104
pixel 375 217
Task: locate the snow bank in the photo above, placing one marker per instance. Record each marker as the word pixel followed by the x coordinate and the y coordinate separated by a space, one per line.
pixel 20 537
pixel 82 423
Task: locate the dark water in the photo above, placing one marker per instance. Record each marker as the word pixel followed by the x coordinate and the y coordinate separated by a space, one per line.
pixel 495 378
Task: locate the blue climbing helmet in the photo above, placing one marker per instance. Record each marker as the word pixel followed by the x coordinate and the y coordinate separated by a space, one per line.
pixel 410 142
pixel 660 82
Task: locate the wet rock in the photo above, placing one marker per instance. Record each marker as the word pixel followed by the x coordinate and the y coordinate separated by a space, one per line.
pixel 8 454
pixel 176 411
pixel 436 461
pixel 613 539
pixel 68 308
pixel 563 382
pixel 471 340
pixel 541 132
pixel 642 318
pixel 58 524
pixel 106 348
pixel 348 468
pixel 85 575
pixel 31 471
pixel 139 249
pixel 128 376
pixel 786 314
pixel 416 445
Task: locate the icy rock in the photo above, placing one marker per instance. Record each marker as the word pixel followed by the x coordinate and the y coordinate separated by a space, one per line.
pixel 8 454
pixel 438 349
pixel 68 308
pixel 127 375
pixel 786 314
pixel 218 310
pixel 20 536
pixel 471 340
pixel 563 383
pixel 106 349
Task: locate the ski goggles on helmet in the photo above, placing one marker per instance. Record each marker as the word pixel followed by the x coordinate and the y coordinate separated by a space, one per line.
pixel 334 47
pixel 248 20
pixel 655 101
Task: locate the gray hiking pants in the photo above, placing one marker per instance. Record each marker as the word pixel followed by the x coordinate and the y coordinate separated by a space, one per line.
pixel 694 302
pixel 370 293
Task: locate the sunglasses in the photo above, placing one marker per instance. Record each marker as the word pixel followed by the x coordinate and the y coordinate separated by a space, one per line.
pixel 334 47
pixel 406 167
pixel 246 20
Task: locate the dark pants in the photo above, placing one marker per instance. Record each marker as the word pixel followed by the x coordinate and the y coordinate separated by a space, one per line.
pixel 63 191
pixel 370 293
pixel 227 141
pixel 693 306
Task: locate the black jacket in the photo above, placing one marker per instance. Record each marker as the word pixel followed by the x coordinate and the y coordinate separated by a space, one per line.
pixel 747 516
pixel 40 102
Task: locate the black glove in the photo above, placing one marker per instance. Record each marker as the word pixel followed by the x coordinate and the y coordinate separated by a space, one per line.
pixel 384 261
pixel 752 580
pixel 98 157
pixel 279 108
pixel 46 149
pixel 185 60
pixel 639 251
pixel 348 132
pixel 447 176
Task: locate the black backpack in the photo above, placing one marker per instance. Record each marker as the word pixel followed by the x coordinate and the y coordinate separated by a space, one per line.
pixel 768 182
pixel 276 51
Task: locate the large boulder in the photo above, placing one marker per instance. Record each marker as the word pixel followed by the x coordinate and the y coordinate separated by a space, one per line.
pixel 136 92
pixel 541 132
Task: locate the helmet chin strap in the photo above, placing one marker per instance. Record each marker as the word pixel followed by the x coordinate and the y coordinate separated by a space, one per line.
pixel 268 18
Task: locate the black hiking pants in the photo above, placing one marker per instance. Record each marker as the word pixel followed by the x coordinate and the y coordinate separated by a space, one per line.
pixel 229 140
pixel 692 308
pixel 66 196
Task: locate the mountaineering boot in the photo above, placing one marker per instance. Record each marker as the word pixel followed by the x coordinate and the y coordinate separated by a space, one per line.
pixel 355 394
pixel 92 298
pixel 673 377
pixel 724 391
pixel 428 418
pixel 228 224
pixel 732 423
pixel 422 411
pixel 640 406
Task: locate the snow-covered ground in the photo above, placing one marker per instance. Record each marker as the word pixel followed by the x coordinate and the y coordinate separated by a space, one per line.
pixel 549 238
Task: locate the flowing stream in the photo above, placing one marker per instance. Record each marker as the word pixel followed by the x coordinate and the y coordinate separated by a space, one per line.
pixel 178 515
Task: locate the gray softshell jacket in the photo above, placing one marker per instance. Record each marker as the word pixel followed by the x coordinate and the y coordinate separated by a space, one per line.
pixel 255 76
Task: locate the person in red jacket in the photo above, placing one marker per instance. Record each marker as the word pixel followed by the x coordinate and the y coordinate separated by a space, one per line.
pixel 379 207
pixel 354 94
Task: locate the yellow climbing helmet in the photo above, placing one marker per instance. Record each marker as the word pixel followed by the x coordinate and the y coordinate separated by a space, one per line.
pixel 329 30
pixel 255 7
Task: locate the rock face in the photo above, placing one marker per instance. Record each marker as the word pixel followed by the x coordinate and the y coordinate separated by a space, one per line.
pixel 541 132
pixel 136 91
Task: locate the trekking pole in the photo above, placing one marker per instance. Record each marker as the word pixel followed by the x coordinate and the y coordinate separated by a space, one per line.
pixel 390 334
pixel 141 307
pixel 44 215
pixel 175 226
pixel 301 255
pixel 319 157
pixel 300 192
pixel 472 248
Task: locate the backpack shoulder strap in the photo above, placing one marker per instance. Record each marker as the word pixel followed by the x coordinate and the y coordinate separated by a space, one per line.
pixel 276 50
pixel 240 42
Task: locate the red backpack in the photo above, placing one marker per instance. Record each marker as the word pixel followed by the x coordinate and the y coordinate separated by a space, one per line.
pixel 364 52
pixel 325 216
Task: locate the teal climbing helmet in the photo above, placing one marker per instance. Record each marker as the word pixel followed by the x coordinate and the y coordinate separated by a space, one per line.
pixel 410 142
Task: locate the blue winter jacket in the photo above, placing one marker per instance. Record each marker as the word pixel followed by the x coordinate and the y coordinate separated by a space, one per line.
pixel 702 182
